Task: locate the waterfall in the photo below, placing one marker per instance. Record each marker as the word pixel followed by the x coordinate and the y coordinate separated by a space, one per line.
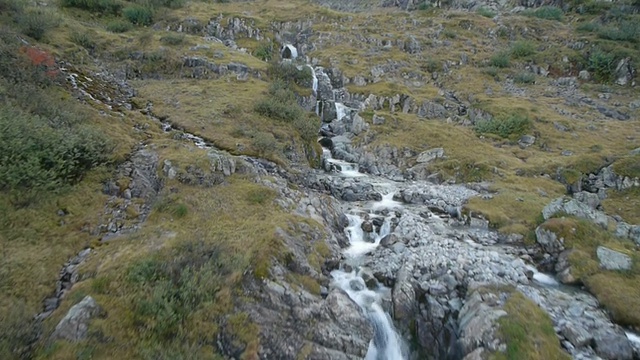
pixel 314 86
pixel 341 110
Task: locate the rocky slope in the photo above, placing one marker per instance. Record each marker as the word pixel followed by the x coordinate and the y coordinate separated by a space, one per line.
pixel 464 146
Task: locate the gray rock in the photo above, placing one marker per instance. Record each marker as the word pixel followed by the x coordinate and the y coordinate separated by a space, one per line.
pixel 75 325
pixel 563 269
pixel 584 75
pixel 613 346
pixel 430 155
pixel 635 104
pixel 575 208
pixel 576 335
pixel 431 110
pixel 613 260
pixel 527 140
pixel 549 240
pixel 625 72
pixel 404 298
pixel 591 199
pixel 378 120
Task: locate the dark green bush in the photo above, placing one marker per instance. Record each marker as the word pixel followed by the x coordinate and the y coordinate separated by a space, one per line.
pixel 118 26
pixel 602 65
pixel 290 73
pixel 525 78
pixel 264 143
pixel 111 7
pixel 172 39
pixel 588 27
pixel 138 15
pixel 307 127
pixel 36 22
pixel 483 11
pixel 36 155
pixel 512 126
pixel 521 49
pixel 500 60
pixel 265 51
pixel 546 12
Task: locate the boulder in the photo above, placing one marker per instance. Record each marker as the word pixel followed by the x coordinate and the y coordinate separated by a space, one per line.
pixel 575 208
pixel 613 260
pixel 549 240
pixel 75 325
pixel 430 155
pixel 613 346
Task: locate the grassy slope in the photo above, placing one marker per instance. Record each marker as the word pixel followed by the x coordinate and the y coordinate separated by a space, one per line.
pixel 34 244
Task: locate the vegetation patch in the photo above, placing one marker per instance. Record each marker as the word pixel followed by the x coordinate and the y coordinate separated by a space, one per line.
pixel 500 60
pixel 509 127
pixel 486 12
pixel 521 49
pixel 546 12
pixel 528 332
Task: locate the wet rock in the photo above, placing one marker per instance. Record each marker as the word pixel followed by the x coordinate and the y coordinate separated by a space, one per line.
pixel 369 280
pixel 577 336
pixel 613 260
pixel 613 346
pixel 549 240
pixel 75 325
pixel 388 240
pixel 404 298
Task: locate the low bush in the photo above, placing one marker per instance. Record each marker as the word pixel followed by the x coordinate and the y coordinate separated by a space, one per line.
pixel 546 12
pixel 602 65
pixel 622 31
pixel 83 39
pixel 512 126
pixel 36 155
pixel 289 73
pixel 36 22
pixel 521 49
pixel 486 12
pixel 138 15
pixel 264 143
pixel 118 26
pixel 111 7
pixel 525 78
pixel 264 51
pixel 500 60
pixel 172 39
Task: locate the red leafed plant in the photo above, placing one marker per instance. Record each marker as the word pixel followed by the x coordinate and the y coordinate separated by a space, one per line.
pixel 41 59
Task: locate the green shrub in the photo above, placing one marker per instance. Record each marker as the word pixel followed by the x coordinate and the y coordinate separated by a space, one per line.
pixel 623 31
pixel 486 12
pixel 172 39
pixel 118 26
pixel 491 71
pixel 264 143
pixel 449 33
pixel 36 22
pixel 546 12
pixel 512 126
pixel 525 78
pixel 602 65
pixel 138 15
pixel 289 73
pixel 307 127
pixel 274 108
pixel 111 7
pixel 431 65
pixel 36 155
pixel 500 60
pixel 83 39
pixel 521 49
pixel 264 51
pixel 588 27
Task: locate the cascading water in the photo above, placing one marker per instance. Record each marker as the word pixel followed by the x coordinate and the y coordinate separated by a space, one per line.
pixel 386 343
pixel 341 111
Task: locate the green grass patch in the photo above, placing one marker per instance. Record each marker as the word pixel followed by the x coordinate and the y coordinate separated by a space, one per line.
pixel 524 78
pixel 522 49
pixel 173 39
pixel 628 166
pixel 500 60
pixel 138 14
pixel 624 203
pixel 619 294
pixel 509 127
pixel 546 12
pixel 602 65
pixel 528 332
pixel 486 12
pixel 118 26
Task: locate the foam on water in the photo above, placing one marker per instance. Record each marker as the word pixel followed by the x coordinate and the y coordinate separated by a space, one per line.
pixel 542 277
pixel 387 202
pixel 632 337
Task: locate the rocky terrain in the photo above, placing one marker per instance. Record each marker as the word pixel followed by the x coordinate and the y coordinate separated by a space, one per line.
pixel 319 180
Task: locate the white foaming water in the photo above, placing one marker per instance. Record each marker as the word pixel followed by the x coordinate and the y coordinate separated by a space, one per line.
pixel 315 83
pixel 543 278
pixel 341 110
pixel 386 343
pixel 632 337
pixel 387 202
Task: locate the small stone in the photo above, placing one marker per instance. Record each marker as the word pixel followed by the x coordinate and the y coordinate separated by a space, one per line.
pixel 378 120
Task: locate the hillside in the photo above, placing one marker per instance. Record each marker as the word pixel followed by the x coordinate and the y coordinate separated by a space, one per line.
pixel 163 193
